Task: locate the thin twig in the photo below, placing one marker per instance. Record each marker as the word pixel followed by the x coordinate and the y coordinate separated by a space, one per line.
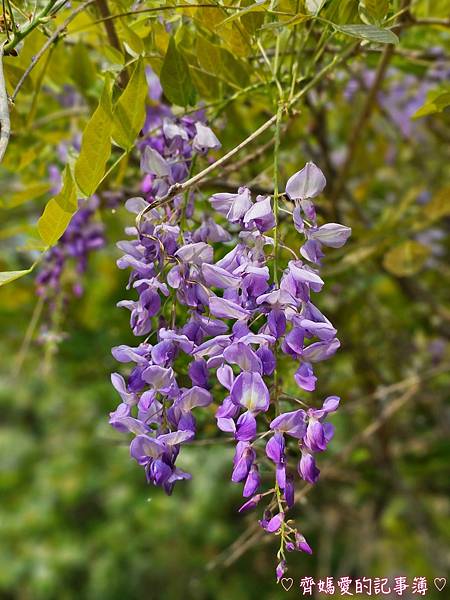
pixel 47 45
pixel 5 123
pixel 28 336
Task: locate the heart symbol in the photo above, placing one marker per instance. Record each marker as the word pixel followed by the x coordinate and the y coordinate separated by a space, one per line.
pixel 440 583
pixel 288 582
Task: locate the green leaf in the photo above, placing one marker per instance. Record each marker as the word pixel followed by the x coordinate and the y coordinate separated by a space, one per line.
pixel 253 20
pixel 8 276
pixel 257 7
pixel 314 6
pixel 438 207
pixel 369 32
pixel 58 212
pixel 208 86
pixel 373 11
pixel 130 110
pixel 175 77
pixel 234 69
pixel 133 42
pixel 67 197
pixel 436 102
pixel 83 71
pixel 406 259
pixel 95 146
pixel 53 222
pixel 209 56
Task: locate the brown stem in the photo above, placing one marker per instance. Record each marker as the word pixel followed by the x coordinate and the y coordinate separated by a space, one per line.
pixel 112 35
pixel 367 109
pixel 358 127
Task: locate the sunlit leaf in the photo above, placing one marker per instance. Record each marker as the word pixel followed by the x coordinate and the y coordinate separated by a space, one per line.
pixel 131 39
pixel 67 197
pixel 58 212
pixel 82 69
pixel 209 56
pixel 95 146
pixel 373 11
pixel 8 276
pixel 436 102
pixel 130 110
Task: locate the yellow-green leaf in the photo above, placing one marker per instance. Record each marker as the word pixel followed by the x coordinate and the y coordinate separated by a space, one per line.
pixel 95 146
pixel 82 69
pixel 439 205
pixel 133 42
pixel 8 276
pixel 209 56
pixel 437 101
pixel 67 197
pixel 53 222
pixel 406 259
pixel 373 11
pixel 58 211
pixel 175 77
pixel 129 112
pixel 257 7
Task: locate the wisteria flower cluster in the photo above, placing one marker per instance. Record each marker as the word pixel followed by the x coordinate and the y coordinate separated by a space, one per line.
pixel 239 321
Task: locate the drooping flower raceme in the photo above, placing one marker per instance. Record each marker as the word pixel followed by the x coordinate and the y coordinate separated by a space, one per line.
pixel 164 263
pixel 240 319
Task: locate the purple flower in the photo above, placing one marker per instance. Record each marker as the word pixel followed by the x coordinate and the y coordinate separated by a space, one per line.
pixel 233 321
pixel 307 468
pixel 302 544
pixel 243 460
pixel 252 503
pixel 226 309
pixel 305 377
pixel 260 214
pixel 307 183
pixel 281 569
pixel 274 524
pixel 246 427
pixel 252 482
pixel 330 234
pixel 292 423
pixel 204 139
pixel 250 391
pixel 232 206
